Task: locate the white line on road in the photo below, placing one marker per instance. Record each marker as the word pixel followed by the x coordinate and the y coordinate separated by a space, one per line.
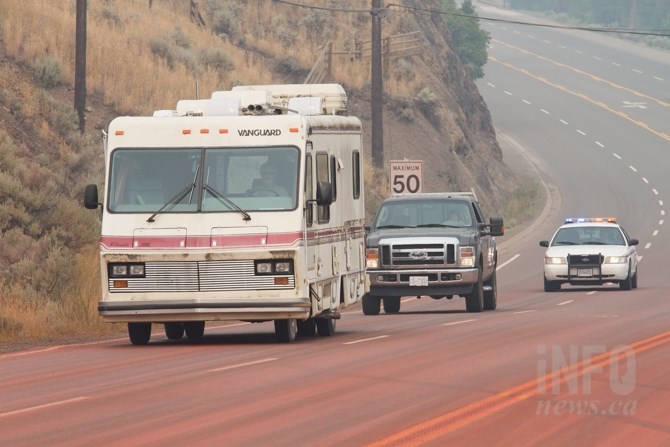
pixel 654 191
pixel 591 292
pixel 632 168
pixel 41 407
pixel 526 101
pixel 565 302
pixel 564 122
pixel 645 180
pixel 616 155
pixel 241 365
pixel 648 244
pixel 658 78
pixel 457 322
pixel 600 144
pixel 581 132
pixel 365 339
pixel 654 233
pixel 525 311
pixel 546 112
pixel 508 261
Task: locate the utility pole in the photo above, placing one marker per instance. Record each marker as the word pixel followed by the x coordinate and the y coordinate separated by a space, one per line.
pixel 633 14
pixel 80 65
pixel 377 87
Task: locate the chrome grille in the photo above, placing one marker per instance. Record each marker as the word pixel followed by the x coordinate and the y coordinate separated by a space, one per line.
pixel 413 255
pixel 202 276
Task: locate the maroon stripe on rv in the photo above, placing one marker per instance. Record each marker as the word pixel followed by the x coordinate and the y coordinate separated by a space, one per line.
pixel 238 240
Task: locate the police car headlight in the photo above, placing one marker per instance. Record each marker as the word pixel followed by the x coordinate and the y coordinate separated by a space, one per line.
pixel 616 259
pixel 553 260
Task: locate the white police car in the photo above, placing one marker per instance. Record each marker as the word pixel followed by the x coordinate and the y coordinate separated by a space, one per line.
pixel 590 251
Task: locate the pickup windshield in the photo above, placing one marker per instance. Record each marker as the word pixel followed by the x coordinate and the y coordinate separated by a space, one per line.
pixel 424 213
pixel 237 180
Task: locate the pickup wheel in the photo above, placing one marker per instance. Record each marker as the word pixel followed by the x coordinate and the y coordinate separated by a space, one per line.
pixel 474 301
pixel 491 296
pixel 139 333
pixel 371 305
pixel 174 331
pixel 392 304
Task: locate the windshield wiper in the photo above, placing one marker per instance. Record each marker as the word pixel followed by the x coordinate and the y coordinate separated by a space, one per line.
pixel 178 197
pixel 394 226
pixel 226 200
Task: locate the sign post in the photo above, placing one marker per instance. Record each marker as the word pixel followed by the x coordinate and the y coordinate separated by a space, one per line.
pixel 406 176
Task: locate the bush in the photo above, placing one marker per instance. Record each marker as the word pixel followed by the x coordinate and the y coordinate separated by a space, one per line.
pixel 47 70
pixel 218 60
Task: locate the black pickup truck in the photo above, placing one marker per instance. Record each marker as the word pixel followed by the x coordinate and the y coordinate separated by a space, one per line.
pixel 431 244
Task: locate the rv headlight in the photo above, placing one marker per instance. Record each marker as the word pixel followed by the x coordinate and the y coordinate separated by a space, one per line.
pixel 264 268
pixel 283 267
pixel 119 270
pixel 136 269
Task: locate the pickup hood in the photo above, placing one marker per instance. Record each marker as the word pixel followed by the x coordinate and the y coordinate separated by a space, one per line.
pixel 465 236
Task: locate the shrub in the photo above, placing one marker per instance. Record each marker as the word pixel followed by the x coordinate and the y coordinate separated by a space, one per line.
pixel 47 71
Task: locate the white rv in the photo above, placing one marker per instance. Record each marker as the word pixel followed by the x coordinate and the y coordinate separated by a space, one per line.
pixel 246 206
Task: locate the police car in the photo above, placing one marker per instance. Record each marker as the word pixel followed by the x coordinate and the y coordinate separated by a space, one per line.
pixel 590 251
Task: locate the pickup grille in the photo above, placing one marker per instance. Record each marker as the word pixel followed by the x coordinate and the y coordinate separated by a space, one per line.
pixel 416 255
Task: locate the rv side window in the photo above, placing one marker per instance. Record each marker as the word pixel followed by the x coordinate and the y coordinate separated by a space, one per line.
pixel 356 174
pixel 309 190
pixel 333 175
pixel 322 171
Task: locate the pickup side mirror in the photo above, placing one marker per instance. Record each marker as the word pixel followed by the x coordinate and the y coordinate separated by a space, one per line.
pixel 324 193
pixel 496 226
pixel 544 243
pixel 91 197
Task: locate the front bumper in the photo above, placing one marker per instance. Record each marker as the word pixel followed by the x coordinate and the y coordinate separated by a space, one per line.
pixel 388 283
pixel 590 275
pixel 204 310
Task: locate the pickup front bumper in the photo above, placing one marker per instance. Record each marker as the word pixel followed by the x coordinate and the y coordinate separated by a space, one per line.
pixel 407 282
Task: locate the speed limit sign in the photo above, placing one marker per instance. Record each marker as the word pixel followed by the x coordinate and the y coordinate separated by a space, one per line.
pixel 406 176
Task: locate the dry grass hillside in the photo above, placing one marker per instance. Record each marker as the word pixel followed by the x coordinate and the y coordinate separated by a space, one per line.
pixel 144 55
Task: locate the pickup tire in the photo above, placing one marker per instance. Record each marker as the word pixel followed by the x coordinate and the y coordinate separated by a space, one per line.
pixel 491 296
pixel 474 301
pixel 392 304
pixel 371 305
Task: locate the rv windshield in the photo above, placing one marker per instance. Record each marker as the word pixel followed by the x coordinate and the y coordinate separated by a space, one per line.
pixel 143 180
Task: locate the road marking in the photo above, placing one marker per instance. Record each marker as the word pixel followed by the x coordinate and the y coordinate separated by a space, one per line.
pixel 525 311
pixel 437 427
pixel 242 365
pixel 600 144
pixel 546 112
pixel 654 233
pixel 660 202
pixel 42 407
pixel 526 101
pixel 616 155
pixel 508 261
pixel 363 340
pixel 654 191
pixel 508 93
pixel 457 322
pixel 645 180
pixel 564 122
pixel 581 132
pixel 658 78
pixel 647 245
pixel 632 168
pixel 565 302
pixel 591 292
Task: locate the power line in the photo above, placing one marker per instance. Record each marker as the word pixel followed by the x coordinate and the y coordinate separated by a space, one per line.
pixel 414 9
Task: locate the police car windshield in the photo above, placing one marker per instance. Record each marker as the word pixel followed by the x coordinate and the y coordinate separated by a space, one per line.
pixel 589 235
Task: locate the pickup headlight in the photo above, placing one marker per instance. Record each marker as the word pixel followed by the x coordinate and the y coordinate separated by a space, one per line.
pixel 616 259
pixel 466 257
pixel 553 260
pixel 372 258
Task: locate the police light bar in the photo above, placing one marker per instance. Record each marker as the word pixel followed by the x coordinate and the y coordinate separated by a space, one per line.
pixel 569 220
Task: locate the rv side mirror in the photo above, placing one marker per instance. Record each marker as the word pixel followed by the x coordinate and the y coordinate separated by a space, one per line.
pixel 91 197
pixel 496 227
pixel 324 193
